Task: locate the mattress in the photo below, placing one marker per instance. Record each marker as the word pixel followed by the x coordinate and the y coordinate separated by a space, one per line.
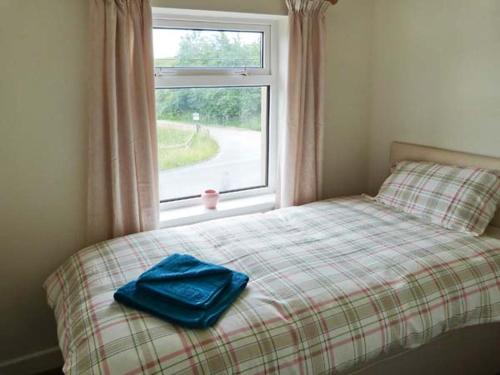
pixel 333 285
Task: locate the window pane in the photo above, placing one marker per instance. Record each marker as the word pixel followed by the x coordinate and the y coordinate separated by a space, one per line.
pixel 211 138
pixel 181 48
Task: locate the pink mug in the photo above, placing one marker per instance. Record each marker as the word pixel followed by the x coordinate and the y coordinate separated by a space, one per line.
pixel 210 198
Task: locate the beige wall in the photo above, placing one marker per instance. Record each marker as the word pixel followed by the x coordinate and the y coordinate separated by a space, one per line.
pixel 419 71
pixel 42 141
pixel 435 77
pixel 247 6
pixel 42 59
pixel 347 97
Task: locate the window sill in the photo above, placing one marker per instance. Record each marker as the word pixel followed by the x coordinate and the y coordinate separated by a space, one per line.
pixel 234 207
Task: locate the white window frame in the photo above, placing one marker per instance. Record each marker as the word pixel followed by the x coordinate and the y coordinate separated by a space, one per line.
pixel 217 77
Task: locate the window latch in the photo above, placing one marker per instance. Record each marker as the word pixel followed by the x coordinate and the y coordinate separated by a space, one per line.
pixel 242 72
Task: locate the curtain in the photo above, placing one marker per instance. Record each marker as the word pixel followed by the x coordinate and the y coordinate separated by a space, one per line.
pixel 301 174
pixel 122 151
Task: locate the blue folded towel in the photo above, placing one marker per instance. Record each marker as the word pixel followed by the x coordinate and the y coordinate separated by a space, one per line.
pixel 210 290
pixel 186 280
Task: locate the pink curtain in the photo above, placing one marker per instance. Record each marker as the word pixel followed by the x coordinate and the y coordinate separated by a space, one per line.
pixel 301 174
pixel 122 151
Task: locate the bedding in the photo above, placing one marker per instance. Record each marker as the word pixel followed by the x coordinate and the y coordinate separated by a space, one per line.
pixel 332 284
pixel 457 198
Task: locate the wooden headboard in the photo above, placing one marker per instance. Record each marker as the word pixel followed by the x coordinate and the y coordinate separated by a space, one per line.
pixel 405 151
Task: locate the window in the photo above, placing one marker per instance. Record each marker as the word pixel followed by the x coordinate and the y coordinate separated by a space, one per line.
pixel 215 107
pixel 198 48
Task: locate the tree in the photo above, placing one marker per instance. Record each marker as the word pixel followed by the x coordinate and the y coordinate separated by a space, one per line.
pixel 226 106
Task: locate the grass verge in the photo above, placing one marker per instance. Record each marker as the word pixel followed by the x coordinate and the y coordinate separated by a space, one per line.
pixel 201 148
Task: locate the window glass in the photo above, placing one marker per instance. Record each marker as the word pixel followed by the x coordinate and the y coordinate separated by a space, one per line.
pixel 184 48
pixel 211 137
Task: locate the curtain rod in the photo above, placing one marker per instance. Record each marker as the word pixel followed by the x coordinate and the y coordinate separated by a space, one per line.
pixel 333 1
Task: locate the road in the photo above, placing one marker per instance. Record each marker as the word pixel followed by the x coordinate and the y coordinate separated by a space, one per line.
pixel 237 165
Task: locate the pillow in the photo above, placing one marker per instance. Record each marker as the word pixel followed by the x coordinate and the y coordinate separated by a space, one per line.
pixel 462 199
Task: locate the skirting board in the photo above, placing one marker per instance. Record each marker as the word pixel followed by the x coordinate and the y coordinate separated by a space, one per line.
pixel 33 363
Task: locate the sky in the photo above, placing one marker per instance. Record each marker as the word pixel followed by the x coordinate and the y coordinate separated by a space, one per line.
pixel 166 41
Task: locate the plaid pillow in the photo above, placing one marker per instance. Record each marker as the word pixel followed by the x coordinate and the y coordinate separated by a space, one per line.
pixel 462 199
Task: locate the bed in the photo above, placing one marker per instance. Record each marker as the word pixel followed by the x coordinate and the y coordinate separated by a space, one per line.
pixel 338 286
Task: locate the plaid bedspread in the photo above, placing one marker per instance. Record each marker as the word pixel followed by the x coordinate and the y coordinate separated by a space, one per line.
pixel 332 284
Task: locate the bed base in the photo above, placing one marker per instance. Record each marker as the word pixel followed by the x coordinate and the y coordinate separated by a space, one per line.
pixel 472 350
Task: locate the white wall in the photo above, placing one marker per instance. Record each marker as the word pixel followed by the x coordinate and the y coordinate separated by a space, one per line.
pixel 435 77
pixel 43 137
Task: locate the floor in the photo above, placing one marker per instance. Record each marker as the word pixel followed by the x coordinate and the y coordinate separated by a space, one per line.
pixel 56 371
